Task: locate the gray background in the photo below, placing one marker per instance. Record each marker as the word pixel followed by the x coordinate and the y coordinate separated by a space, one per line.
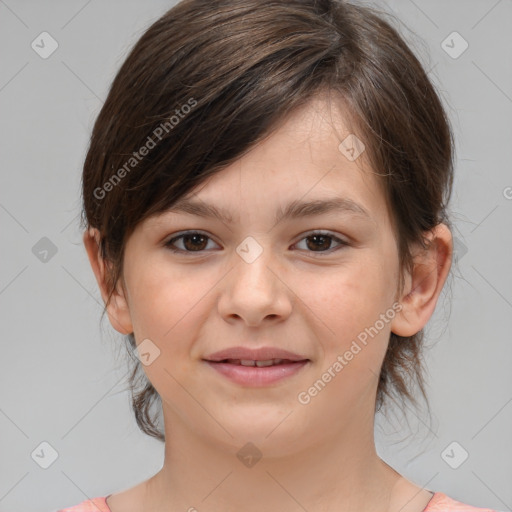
pixel 62 378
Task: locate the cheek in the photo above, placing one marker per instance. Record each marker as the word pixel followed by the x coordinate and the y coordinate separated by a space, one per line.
pixel 170 306
pixel 347 304
pixel 158 300
pixel 167 309
pixel 354 339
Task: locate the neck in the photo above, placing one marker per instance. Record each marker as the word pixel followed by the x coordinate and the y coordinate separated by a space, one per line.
pixel 341 473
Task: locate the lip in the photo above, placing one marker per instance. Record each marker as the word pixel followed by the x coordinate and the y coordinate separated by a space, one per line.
pixel 254 376
pixel 254 354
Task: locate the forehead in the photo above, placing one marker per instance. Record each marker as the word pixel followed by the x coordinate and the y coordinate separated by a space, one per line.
pixel 303 159
pixel 309 154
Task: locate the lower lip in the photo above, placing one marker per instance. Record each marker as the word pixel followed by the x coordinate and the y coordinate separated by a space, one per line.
pixel 257 376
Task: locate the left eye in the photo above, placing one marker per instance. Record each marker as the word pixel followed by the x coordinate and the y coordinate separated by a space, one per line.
pixel 194 241
pixel 321 240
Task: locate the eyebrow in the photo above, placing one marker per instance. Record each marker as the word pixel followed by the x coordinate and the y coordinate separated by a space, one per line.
pixel 295 209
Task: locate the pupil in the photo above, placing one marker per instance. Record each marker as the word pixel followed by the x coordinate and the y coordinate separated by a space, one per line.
pixel 324 237
pixel 195 237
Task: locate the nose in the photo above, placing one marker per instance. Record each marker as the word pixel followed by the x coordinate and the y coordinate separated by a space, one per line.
pixel 255 291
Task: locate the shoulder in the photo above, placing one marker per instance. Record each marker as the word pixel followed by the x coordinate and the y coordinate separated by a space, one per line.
pixel 93 505
pixel 440 502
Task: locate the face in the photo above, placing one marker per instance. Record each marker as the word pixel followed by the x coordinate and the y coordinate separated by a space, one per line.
pixel 322 286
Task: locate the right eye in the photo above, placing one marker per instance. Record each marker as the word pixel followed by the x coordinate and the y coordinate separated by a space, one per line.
pixel 192 241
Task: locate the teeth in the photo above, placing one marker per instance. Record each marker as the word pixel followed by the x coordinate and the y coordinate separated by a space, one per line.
pixel 259 364
pixel 270 362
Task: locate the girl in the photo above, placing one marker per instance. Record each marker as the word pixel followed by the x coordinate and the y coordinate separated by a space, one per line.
pixel 264 204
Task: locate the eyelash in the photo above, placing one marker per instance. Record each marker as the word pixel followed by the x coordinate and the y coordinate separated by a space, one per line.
pixel 169 243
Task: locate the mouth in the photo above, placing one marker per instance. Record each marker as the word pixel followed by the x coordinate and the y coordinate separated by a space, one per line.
pixel 257 373
pixel 264 354
pixel 258 363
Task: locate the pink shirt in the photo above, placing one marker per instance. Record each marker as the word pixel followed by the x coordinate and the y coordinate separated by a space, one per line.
pixel 438 503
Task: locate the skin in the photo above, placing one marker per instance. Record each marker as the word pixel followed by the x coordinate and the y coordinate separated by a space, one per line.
pixel 312 299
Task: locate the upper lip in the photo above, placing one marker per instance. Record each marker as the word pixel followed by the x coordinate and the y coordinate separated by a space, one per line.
pixel 254 354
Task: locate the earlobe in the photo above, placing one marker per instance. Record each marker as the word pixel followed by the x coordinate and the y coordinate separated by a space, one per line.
pixel 117 309
pixel 424 285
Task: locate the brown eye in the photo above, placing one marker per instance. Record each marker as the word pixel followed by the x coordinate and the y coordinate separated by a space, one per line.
pixel 192 241
pixel 321 242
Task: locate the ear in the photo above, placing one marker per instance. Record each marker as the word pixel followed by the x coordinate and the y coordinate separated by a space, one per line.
pixel 424 285
pixel 118 310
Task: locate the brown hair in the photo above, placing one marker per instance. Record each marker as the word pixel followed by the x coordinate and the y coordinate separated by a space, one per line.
pixel 212 77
